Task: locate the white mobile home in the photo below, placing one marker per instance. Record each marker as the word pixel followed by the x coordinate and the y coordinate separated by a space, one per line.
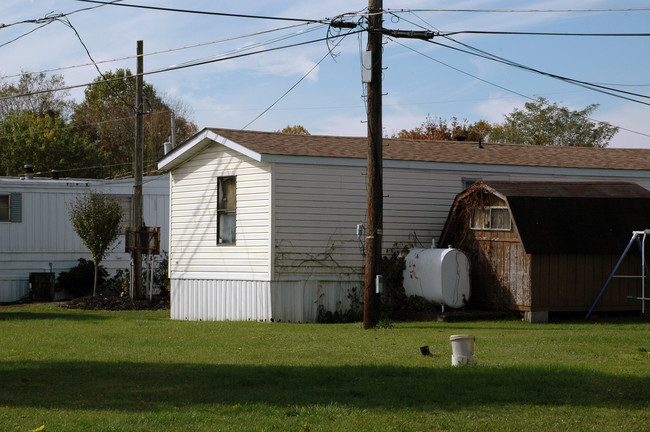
pixel 36 234
pixel 263 225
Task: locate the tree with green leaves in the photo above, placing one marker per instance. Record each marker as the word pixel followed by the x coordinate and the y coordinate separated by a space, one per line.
pixel 47 142
pixel 107 115
pixel 438 129
pixel 543 123
pixel 34 129
pixel 97 219
pixel 35 93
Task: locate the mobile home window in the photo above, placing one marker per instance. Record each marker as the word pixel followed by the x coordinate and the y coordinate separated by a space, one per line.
pixel 226 210
pixel 491 219
pixel 5 208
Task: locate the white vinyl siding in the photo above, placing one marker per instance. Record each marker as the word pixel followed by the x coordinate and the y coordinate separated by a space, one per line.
pixel 194 248
pixel 45 240
pixel 317 209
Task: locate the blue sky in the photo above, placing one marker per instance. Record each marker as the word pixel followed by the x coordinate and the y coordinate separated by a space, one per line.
pixel 420 78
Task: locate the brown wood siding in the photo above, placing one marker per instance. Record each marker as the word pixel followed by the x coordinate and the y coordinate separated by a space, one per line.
pixel 572 282
pixel 500 271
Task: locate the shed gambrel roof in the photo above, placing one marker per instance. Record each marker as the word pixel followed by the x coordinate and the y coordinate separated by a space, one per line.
pixel 570 217
pixel 269 146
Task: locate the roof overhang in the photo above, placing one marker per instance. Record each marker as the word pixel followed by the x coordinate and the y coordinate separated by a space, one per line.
pixel 198 143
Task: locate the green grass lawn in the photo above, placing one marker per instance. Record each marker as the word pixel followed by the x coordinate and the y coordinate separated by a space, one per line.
pixel 70 370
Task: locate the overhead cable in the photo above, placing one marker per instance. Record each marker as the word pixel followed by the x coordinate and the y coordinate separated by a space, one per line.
pixel 202 12
pixel 157 52
pixel 178 67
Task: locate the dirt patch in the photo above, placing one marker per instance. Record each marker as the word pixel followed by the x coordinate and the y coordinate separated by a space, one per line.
pixel 116 303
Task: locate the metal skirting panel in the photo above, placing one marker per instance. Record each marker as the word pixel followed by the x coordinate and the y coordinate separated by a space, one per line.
pixel 299 301
pixel 13 290
pixel 285 301
pixel 220 300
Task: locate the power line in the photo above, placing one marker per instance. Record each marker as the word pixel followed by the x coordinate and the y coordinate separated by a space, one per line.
pixel 203 12
pixel 622 94
pixel 591 86
pixel 157 52
pixel 298 82
pixel 515 33
pixel 52 16
pixel 521 10
pixel 178 67
pixel 507 89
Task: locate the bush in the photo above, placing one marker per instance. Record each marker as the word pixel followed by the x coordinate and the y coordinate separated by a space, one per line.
pixel 78 281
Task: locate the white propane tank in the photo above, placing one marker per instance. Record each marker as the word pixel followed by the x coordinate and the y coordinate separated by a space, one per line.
pixel 439 275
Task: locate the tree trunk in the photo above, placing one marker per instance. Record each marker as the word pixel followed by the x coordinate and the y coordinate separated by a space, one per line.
pixel 95 281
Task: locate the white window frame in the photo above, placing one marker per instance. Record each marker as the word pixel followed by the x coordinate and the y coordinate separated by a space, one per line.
pixel 490 219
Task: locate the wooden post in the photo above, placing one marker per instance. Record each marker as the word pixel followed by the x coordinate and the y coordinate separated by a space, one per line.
pixel 137 173
pixel 374 224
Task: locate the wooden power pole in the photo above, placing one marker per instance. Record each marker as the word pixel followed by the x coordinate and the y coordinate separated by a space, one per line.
pixel 137 172
pixel 374 223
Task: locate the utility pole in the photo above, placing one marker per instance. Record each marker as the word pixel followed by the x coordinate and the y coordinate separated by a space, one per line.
pixel 374 223
pixel 137 173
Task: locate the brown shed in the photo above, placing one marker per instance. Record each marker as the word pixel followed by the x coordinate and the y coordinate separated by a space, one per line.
pixel 540 247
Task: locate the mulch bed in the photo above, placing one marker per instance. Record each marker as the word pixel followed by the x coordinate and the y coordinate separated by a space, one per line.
pixel 116 303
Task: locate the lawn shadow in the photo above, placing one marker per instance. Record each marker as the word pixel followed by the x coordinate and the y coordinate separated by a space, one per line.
pixel 26 315
pixel 150 386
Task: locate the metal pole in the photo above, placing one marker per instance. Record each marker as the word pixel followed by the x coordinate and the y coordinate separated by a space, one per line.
pixel 374 222
pixel 634 234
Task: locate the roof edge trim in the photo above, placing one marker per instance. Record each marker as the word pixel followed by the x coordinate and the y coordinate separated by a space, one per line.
pixel 195 144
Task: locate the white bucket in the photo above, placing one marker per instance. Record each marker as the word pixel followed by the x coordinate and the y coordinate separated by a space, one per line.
pixel 462 347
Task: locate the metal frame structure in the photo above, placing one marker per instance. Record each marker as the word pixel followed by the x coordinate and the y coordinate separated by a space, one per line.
pixel 644 270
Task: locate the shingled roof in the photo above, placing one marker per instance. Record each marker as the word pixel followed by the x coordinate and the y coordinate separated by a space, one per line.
pixel 571 217
pixel 465 152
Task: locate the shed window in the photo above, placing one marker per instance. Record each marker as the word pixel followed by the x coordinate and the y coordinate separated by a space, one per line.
pixel 226 210
pixel 491 219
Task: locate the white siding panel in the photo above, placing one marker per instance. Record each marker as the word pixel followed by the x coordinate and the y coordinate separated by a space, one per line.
pixel 45 240
pixel 13 290
pixel 317 209
pixel 194 247
pixel 220 300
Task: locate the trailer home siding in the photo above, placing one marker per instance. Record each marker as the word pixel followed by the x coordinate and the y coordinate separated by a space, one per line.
pixel 44 239
pixel 311 193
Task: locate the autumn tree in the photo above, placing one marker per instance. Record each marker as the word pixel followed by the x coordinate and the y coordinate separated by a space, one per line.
pixel 96 218
pixel 436 128
pixel 108 111
pixel 543 123
pixel 294 130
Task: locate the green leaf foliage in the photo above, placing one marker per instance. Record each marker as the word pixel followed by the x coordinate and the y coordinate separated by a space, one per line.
pixel 96 218
pixel 543 123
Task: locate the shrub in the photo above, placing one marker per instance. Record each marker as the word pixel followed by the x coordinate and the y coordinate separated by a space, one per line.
pixel 78 281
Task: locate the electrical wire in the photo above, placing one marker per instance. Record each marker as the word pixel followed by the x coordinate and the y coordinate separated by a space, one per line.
pixel 580 83
pixel 173 68
pixel 622 94
pixel 203 12
pixel 156 52
pixel 507 89
pixel 515 33
pixel 521 10
pixel 298 82
pixel 51 16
